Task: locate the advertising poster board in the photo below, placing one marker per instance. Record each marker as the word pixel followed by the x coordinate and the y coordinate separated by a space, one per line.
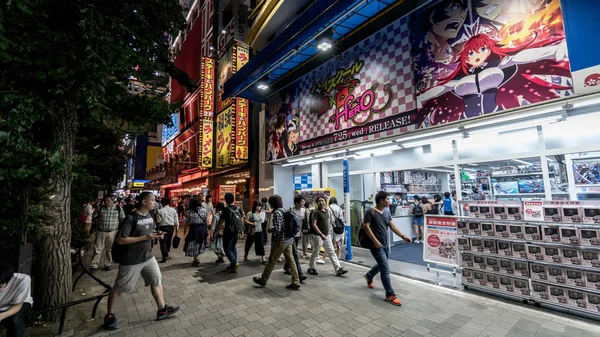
pixel 241 130
pixel 206 112
pixel 440 240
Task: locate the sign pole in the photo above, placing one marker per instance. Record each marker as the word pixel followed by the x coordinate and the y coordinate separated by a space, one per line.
pixel 346 171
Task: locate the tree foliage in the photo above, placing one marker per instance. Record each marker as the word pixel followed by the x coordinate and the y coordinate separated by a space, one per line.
pixel 64 70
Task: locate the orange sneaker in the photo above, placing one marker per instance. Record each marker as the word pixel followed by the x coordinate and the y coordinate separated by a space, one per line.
pixel 369 281
pixel 393 299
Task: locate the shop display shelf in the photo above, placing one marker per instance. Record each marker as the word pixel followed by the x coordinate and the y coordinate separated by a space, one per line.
pixel 469 236
pixel 500 256
pixel 564 245
pixel 577 311
pixel 500 274
pixel 564 265
pixel 587 290
pixel 523 298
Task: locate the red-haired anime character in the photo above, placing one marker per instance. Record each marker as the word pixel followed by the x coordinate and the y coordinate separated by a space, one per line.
pixel 484 65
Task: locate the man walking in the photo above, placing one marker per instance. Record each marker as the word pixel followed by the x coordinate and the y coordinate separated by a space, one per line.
pixel 280 243
pixel 231 215
pixel 87 215
pixel 322 238
pixel 168 224
pixel 375 223
pixel 108 217
pixel 300 213
pixel 15 300
pixel 136 258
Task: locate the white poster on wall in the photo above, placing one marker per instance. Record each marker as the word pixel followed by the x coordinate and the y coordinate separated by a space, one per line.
pixel 440 240
pixel 533 211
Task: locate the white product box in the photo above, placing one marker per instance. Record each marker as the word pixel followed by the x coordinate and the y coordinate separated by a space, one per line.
pixel 516 232
pixel 539 291
pixel 569 235
pixel 552 254
pixel 480 278
pixel 519 250
pixel 571 256
pixel 504 248
pixel 474 228
pixel 463 244
pixel 575 278
pixel 592 279
pixel 532 232
pixel 552 213
pixel 521 269
pixel 473 211
pixel 558 295
pixel 539 272
pixel 515 212
pixel 572 214
pixel 493 281
pixel 492 264
pixel 507 284
pixel 590 236
pixel 506 266
pixel 591 214
pixel 462 227
pixel 466 260
pixel 577 299
pixel 489 246
pixel 550 234
pixel 500 212
pixel 479 262
pixel 522 287
pixel 467 277
pixel 501 230
pixel 589 258
pixel 535 253
pixel 556 275
pixel 476 245
pixel 485 212
pixel 487 229
pixel 593 302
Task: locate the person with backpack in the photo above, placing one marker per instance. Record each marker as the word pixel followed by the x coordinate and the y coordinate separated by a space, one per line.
pixel 376 222
pixel 437 205
pixel 301 214
pixel 195 231
pixel 337 225
pixel 107 219
pixel 232 225
pixel 281 243
pixel 418 219
pixel 322 238
pixel 133 251
pixel 449 204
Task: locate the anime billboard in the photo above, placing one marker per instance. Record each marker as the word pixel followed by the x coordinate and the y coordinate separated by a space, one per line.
pixel 474 57
pixel 282 131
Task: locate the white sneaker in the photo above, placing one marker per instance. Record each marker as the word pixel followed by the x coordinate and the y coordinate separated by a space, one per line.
pixel 320 261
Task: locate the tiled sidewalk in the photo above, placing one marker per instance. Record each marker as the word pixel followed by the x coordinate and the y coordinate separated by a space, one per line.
pixel 221 304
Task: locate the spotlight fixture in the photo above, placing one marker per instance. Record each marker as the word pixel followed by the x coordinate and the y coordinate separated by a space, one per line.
pixel 263 84
pixel 325 40
pixel 212 48
pixel 223 31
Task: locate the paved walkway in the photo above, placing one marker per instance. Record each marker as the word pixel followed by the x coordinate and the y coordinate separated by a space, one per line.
pixel 221 304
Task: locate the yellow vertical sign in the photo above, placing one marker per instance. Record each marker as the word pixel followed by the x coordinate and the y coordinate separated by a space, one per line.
pixel 224 133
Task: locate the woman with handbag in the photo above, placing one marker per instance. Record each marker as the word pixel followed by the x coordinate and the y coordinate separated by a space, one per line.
pixel 216 243
pixel 253 231
pixel 195 231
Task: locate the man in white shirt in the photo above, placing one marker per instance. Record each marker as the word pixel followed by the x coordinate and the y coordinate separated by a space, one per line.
pixel 336 213
pixel 169 224
pixel 88 210
pixel 15 300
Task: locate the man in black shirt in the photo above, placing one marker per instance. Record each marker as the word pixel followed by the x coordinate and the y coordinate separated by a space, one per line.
pixel 136 235
pixel 376 222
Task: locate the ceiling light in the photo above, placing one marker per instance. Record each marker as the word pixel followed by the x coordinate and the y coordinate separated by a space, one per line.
pixel 263 86
pixel 325 40
pixel 437 170
pixel 468 169
pixel 378 150
pixel 522 161
pixel 211 48
pixel 429 141
pixel 224 31
pixel 330 153
pixel 295 160
pixel 425 134
pixel 370 146
pixel 289 164
pixel 448 166
pixel 473 164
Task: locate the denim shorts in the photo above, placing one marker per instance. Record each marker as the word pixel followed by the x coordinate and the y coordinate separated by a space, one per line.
pixel 419 221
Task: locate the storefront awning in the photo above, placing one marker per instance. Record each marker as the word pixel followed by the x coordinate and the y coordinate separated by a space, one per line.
pixel 296 44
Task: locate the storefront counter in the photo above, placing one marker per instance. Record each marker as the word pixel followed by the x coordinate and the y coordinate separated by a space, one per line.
pixel 404 224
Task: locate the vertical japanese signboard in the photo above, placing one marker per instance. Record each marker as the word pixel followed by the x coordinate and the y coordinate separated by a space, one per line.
pixel 440 240
pixel 207 108
pixel 241 130
pixel 224 132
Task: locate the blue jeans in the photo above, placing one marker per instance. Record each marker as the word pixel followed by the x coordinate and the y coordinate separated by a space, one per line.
pixel 229 246
pixel 381 265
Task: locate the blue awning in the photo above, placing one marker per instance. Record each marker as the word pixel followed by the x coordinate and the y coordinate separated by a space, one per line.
pixel 296 44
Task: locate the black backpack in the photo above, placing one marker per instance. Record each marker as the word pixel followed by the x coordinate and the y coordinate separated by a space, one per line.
pixel 338 224
pixel 435 209
pixel 363 238
pixel 306 222
pixel 417 211
pixel 118 250
pixel 234 219
pixel 291 225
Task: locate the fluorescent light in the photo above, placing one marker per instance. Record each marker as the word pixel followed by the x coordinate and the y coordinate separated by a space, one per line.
pixel 330 153
pixel 425 134
pixel 378 150
pixel 437 170
pixel 473 164
pixel 370 146
pixel 522 161
pixel 295 160
pixel 550 159
pixel 449 166
pixel 314 161
pixel 429 141
pixel 381 153
pixel 332 159
pixel 468 169
pixel 289 164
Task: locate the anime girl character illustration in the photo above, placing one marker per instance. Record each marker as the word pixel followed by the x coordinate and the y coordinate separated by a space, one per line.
pixel 282 129
pixel 505 54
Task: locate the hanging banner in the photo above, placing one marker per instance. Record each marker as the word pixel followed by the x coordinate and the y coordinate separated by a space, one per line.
pixel 224 133
pixel 240 12
pixel 207 112
pixel 241 129
pixel 440 240
pixel 225 70
pixel 241 56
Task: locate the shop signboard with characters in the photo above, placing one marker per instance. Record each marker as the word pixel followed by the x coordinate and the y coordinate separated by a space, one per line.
pixel 448 61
